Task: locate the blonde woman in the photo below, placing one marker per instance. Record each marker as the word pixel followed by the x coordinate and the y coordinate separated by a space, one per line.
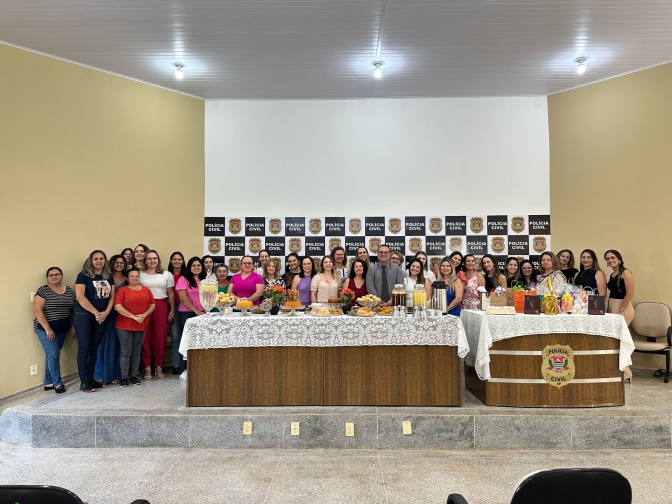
pixel 454 286
pixel 271 274
pixel 162 285
pixel 550 269
pixel 326 284
pixel 94 290
pixel 472 280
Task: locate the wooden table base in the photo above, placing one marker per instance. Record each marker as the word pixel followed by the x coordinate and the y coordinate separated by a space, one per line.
pixel 588 389
pixel 283 376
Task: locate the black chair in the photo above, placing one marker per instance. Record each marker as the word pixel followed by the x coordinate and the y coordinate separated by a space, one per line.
pixel 42 494
pixel 575 486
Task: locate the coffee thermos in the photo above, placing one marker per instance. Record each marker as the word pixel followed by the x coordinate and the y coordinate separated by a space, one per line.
pixel 439 301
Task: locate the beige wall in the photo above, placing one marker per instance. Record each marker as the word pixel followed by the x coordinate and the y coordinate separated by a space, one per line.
pixel 88 160
pixel 611 176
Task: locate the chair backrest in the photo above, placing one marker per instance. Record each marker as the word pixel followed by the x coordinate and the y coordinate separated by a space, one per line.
pixel 652 320
pixel 34 494
pixel 575 486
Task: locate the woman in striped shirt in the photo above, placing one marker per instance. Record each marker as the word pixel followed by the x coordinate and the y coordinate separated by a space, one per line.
pixel 53 306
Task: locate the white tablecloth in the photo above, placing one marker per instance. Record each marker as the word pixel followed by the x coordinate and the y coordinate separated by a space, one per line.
pixel 482 330
pixel 305 330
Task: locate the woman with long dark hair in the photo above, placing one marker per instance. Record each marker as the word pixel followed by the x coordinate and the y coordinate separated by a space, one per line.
pixel 127 254
pixel 590 274
pixel 621 286
pixel 187 289
pixel 356 281
pixel 511 271
pixel 528 274
pixel 177 268
pixel 303 280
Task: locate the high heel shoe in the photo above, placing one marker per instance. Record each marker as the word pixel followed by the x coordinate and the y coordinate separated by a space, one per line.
pixel 627 375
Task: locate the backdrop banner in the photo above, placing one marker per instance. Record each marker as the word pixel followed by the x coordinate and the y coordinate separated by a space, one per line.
pixel 227 239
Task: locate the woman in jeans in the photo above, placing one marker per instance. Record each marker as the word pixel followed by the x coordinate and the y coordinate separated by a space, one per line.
pixel 53 305
pixel 190 304
pixel 107 364
pixel 94 290
pixel 134 304
pixel 177 268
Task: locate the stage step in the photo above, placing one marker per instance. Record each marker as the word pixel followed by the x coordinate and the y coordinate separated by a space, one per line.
pixel 154 415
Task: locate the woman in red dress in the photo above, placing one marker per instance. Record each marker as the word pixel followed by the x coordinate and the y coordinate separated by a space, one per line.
pixel 356 281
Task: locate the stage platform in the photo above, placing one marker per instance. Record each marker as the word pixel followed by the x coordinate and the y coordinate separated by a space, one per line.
pixel 154 415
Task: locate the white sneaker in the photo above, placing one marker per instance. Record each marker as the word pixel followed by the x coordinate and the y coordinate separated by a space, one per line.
pixel 183 376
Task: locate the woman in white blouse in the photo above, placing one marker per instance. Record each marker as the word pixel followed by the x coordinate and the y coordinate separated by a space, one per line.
pixel 162 285
pixel 325 284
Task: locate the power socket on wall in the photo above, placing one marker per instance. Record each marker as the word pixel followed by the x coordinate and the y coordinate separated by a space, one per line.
pixel 34 369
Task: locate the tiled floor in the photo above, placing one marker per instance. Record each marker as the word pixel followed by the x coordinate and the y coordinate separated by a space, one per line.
pixel 294 475
pixel 167 476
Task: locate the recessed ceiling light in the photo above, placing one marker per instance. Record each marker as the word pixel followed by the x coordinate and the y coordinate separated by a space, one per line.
pixel 178 70
pixel 378 72
pixel 581 68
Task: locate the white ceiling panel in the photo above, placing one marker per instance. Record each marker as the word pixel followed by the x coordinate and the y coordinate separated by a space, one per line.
pixel 280 49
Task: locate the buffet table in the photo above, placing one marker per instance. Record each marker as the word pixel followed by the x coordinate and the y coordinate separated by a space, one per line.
pixel 505 365
pixel 339 360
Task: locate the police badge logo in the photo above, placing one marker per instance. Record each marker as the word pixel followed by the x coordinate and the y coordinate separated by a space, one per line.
pixel 334 242
pixel 436 225
pixel 254 245
pixel 235 226
pixel 518 224
pixel 394 225
pixel 539 244
pixel 557 365
pixel 315 226
pixel 374 243
pixel 498 244
pixel 274 226
pixel 214 245
pixel 455 244
pixel 234 264
pixel 318 263
pixel 295 245
pixel 434 263
pixel 415 244
pixel 355 226
pixel 476 224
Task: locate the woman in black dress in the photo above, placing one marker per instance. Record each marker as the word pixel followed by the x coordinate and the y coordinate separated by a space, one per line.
pixel 590 274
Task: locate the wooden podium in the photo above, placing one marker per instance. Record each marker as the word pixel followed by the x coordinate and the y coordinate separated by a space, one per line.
pixel 516 373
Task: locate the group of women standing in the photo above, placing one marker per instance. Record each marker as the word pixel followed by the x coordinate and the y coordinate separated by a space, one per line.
pixel 559 270
pixel 124 307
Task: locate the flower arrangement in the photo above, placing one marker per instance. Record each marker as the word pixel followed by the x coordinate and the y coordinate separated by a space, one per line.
pixel 275 293
pixel 347 296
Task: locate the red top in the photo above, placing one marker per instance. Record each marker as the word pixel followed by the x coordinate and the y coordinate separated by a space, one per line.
pixel 136 302
pixel 358 292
